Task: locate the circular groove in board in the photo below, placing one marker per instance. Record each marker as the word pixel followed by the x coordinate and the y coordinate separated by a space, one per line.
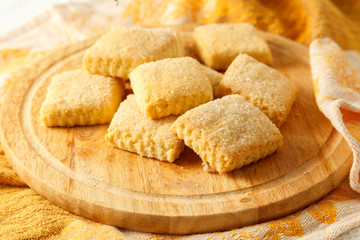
pixel 75 169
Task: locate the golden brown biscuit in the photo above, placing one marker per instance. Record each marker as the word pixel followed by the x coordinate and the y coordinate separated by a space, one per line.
pixel 262 85
pixel 170 86
pixel 179 40
pixel 228 133
pixel 214 76
pixel 132 131
pixel 122 49
pixel 218 44
pixel 79 98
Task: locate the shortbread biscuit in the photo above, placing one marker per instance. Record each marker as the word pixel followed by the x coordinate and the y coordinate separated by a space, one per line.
pixel 262 85
pixel 214 76
pixel 132 131
pixel 79 98
pixel 218 44
pixel 122 49
pixel 179 40
pixel 228 133
pixel 170 86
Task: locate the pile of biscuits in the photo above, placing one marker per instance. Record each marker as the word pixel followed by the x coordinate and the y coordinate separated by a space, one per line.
pixel 173 104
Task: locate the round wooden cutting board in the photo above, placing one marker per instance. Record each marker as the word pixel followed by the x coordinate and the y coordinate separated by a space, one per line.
pixel 77 170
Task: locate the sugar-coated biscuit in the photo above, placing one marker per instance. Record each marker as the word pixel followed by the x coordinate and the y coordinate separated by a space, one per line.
pixel 262 85
pixel 214 76
pixel 132 131
pixel 122 49
pixel 218 44
pixel 228 133
pixel 179 40
pixel 79 98
pixel 170 86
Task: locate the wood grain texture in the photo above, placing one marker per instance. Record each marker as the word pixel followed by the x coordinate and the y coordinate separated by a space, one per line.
pixel 75 169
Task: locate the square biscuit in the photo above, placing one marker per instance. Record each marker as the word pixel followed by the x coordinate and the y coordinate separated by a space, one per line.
pixel 77 98
pixel 170 86
pixel 228 133
pixel 132 131
pixel 178 37
pixel 122 49
pixel 262 85
pixel 218 44
pixel 215 77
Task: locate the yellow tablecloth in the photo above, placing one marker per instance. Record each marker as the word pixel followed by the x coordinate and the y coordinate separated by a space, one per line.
pixel 330 28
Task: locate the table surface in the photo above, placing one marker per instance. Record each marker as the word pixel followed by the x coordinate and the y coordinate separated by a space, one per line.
pixel 14 13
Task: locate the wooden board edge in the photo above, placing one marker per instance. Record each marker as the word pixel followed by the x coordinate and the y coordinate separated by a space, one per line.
pixel 183 224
